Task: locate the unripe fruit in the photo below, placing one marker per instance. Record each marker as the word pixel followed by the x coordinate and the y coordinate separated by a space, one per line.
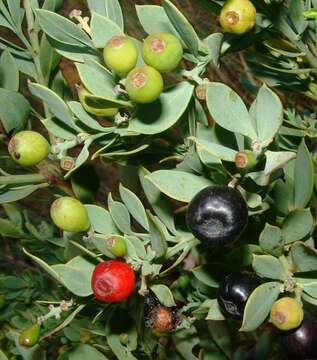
pixel 113 281
pixel 70 214
pixel 82 93
pixel 234 291
pixel 217 215
pixel 120 55
pixel 245 160
pixel 238 16
pixel 30 336
pixel 286 314
pixel 163 51
pixel 144 84
pixel 116 244
pixel 28 148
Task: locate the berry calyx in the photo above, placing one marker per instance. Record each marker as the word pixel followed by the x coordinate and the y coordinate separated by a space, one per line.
pixel 238 16
pixel 217 215
pixel 120 55
pixel 245 160
pixel 286 314
pixel 144 84
pixel 107 112
pixel 163 51
pixel 113 281
pixel 70 214
pixel 28 148
pixel 234 291
pixel 116 244
pixel 30 336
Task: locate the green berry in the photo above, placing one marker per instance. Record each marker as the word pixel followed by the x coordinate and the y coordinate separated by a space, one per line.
pixel 144 84
pixel 245 160
pixel 116 245
pixel 163 51
pixel 238 16
pixel 120 55
pixel 83 93
pixel 28 148
pixel 70 214
pixel 286 314
pixel 30 336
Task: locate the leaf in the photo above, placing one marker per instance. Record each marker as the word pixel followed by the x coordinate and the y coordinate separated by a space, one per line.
pixel 214 312
pixel 308 285
pixel 62 29
pixel 228 110
pixel 259 305
pixel 100 220
pixel 183 27
pixel 178 185
pixel 49 58
pixel 134 205
pixel 271 240
pixel 268 114
pixel 9 229
pixel 297 225
pixel 164 295
pixel 202 273
pixel 157 236
pixel 268 266
pixel 9 72
pixel 160 115
pixel 16 115
pixel 2 356
pixel 303 184
pixel 84 352
pixel 277 160
pixel 214 42
pixel 120 215
pixel 304 257
pixel 103 29
pixel 19 193
pixel 111 9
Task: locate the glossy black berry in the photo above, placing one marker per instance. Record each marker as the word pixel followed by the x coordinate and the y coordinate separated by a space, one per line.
pixel 301 343
pixel 234 292
pixel 217 215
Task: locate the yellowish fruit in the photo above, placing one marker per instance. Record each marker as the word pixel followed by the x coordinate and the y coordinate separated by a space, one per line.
pixel 286 314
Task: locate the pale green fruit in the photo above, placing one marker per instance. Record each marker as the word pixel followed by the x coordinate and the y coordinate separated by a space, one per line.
pixel 70 214
pixel 28 148
pixel 30 336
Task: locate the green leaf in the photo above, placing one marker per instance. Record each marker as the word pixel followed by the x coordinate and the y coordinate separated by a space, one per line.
pixel 2 356
pixel 134 205
pixel 13 213
pixel 58 129
pixel 164 295
pixel 277 160
pixel 268 113
pixel 204 275
pixel 303 184
pixel 178 185
pixel 19 193
pixel 160 115
pixel 62 29
pixel 214 312
pixel 259 305
pixel 111 9
pixel 271 240
pixel 214 42
pixel 84 352
pixel 101 220
pixel 219 151
pixel 120 215
pixel 158 236
pixel 16 115
pixel 308 285
pixel 297 225
pixel 9 229
pixel 9 72
pixel 228 110
pixel 103 29
pixel 183 27
pixel 49 58
pixel 304 258
pixel 267 266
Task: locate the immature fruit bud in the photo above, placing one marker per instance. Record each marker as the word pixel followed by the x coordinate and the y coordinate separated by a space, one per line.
pixel 245 160
pixel 163 51
pixel 120 55
pixel 113 281
pixel 144 84
pixel 286 313
pixel 83 93
pixel 30 336
pixel 116 245
pixel 238 16
pixel 28 148
pixel 70 214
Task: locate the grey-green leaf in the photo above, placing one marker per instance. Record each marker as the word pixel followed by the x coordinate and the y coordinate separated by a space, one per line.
pixel 100 220
pixel 164 295
pixel 297 225
pixel 304 257
pixel 84 352
pixel 271 240
pixel 108 8
pixel 9 72
pixel 268 266
pixel 103 29
pixel 120 215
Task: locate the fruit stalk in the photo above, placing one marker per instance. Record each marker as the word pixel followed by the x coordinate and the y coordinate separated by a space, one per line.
pixel 22 179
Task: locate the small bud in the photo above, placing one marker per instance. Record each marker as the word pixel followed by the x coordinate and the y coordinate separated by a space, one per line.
pixel 67 163
pixel 201 91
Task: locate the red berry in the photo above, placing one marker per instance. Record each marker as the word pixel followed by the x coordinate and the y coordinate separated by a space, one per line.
pixel 113 281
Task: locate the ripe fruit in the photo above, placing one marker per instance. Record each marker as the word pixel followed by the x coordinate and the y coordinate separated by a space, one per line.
pixel 163 51
pixel 69 214
pixel 113 281
pixel 234 292
pixel 116 245
pixel 30 336
pixel 28 148
pixel 144 84
pixel 238 16
pixel 286 313
pixel 83 93
pixel 217 215
pixel 120 55
pixel 301 343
